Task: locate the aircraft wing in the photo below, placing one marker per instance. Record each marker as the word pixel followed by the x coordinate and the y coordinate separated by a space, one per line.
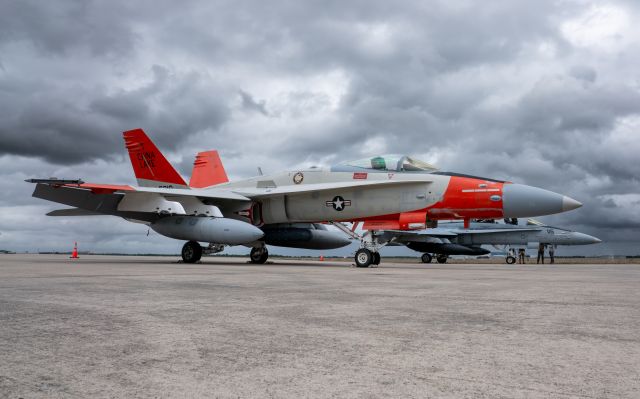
pixel 438 232
pixel 97 188
pixel 434 232
pixel 210 194
pixel 73 212
pixel 145 204
pixel 305 188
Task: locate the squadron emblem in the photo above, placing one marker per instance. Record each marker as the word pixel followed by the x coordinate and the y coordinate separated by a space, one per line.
pixel 338 203
pixel 298 178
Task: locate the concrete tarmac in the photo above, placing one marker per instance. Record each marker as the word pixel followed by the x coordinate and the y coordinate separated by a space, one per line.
pixel 107 326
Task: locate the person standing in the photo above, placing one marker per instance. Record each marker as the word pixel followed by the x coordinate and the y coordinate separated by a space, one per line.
pixel 552 253
pixel 540 253
pixel 521 256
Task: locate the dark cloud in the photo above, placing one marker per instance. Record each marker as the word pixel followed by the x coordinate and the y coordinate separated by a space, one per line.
pixel 61 28
pixel 544 93
pixel 51 122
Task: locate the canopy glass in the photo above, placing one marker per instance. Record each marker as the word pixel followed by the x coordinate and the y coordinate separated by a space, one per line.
pixel 392 163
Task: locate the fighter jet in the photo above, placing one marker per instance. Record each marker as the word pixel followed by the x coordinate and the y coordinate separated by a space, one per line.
pixel 452 238
pixel 388 191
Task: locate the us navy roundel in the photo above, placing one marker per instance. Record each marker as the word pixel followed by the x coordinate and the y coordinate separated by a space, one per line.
pixel 338 203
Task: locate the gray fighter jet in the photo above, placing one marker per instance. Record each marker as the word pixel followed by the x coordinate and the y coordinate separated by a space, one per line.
pixel 452 238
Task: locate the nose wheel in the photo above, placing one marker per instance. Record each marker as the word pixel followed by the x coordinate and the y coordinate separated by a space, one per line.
pixel 366 258
pixel 426 258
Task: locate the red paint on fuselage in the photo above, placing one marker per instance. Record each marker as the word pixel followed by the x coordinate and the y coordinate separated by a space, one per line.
pixel 469 198
pixel 464 198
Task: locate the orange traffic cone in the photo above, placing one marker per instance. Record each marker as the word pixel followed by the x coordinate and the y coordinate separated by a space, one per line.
pixel 74 253
pixel 321 258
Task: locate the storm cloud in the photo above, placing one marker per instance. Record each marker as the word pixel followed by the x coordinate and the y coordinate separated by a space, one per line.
pixel 544 93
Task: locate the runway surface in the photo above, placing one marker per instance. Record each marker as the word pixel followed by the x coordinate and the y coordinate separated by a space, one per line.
pixel 150 327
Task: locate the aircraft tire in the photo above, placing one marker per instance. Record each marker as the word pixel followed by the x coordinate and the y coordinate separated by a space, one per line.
pixel 376 258
pixel 364 257
pixel 259 255
pixel 510 260
pixel 191 252
pixel 426 258
pixel 442 258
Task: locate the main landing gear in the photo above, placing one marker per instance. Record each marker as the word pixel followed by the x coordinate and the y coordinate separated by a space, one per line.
pixel 259 255
pixel 427 258
pixel 191 252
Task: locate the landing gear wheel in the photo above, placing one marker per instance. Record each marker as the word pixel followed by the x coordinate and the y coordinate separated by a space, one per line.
pixel 191 252
pixel 426 258
pixel 376 258
pixel 511 260
pixel 442 258
pixel 259 255
pixel 364 257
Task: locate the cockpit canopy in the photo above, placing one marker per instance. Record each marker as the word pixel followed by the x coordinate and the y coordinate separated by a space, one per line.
pixel 387 163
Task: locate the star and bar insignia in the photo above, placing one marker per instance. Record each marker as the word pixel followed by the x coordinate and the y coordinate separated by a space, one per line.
pixel 338 203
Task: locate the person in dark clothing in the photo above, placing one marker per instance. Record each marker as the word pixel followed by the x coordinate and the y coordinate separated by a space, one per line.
pixel 521 256
pixel 552 253
pixel 540 253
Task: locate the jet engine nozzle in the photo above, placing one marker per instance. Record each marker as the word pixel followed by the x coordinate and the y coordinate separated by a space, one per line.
pixel 522 201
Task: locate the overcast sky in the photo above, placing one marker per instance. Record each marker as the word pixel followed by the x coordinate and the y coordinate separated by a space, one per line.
pixel 542 92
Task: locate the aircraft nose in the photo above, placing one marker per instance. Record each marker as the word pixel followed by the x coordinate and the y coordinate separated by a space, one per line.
pixel 569 204
pixel 520 201
pixel 586 239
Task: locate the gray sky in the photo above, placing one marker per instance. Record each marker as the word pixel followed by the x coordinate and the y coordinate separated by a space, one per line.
pixel 545 93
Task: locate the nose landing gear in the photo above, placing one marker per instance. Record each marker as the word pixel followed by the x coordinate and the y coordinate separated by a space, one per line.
pixel 365 257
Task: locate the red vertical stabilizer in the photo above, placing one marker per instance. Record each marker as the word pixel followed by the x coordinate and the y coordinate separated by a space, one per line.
pixel 207 170
pixel 149 165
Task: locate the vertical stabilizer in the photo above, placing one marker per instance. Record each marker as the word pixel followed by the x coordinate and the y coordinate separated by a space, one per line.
pixel 149 165
pixel 207 170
